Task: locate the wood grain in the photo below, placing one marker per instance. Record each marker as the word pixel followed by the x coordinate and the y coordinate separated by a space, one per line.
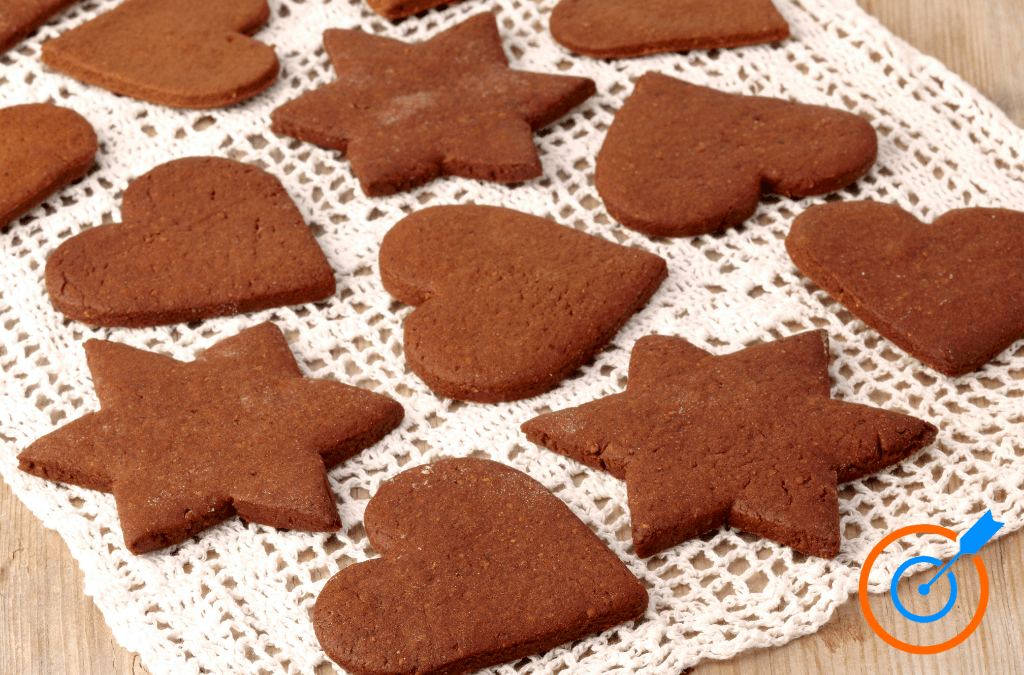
pixel 980 40
pixel 846 645
pixel 49 627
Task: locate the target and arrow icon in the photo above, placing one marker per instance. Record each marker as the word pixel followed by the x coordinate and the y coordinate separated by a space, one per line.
pixel 970 543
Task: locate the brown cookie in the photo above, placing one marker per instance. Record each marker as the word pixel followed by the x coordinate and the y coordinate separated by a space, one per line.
pixel 201 237
pixel 681 160
pixel 615 29
pixel 18 18
pixel 399 9
pixel 178 53
pixel 42 149
pixel 183 446
pixel 509 304
pixel 479 565
pixel 406 114
pixel 951 293
pixel 750 439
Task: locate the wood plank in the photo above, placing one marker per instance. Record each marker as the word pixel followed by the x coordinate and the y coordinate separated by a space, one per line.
pixel 48 626
pixel 980 40
pixel 846 645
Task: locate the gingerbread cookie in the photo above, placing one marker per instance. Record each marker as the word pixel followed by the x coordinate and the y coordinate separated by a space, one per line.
pixel 201 237
pixel 681 160
pixel 615 29
pixel 479 565
pixel 405 114
pixel 183 446
pixel 42 149
pixel 178 53
pixel 950 294
pixel 751 439
pixel 399 9
pixel 508 304
pixel 18 18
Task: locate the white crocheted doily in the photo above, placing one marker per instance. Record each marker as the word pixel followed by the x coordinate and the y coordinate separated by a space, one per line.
pixel 237 599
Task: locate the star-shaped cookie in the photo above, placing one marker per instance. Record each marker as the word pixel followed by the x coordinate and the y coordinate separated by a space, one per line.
pixel 183 446
pixel 405 114
pixel 751 439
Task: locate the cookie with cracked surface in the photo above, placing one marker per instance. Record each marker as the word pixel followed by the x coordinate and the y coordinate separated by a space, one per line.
pixel 184 446
pixel 178 53
pixel 508 304
pixel 681 160
pixel 500 569
pixel 615 29
pixel 951 294
pixel 405 114
pixel 43 147
pixel 18 18
pixel 751 439
pixel 201 237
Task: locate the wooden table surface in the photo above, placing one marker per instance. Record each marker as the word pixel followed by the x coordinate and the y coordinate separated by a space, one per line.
pixel 49 627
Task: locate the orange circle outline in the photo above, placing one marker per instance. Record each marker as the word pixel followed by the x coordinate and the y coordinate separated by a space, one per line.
pixel 899 644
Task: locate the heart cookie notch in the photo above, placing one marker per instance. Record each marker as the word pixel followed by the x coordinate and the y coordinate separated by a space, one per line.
pixel 201 237
pixel 181 53
pixel 509 304
pixel 615 29
pixel 42 148
pixel 681 160
pixel 951 294
pixel 479 565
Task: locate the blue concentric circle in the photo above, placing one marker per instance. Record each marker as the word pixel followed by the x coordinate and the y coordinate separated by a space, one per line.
pixel 907 613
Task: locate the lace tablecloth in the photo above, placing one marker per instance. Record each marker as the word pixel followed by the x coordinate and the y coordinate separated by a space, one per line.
pixel 238 598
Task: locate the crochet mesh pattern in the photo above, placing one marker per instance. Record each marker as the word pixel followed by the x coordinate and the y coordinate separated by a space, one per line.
pixel 238 598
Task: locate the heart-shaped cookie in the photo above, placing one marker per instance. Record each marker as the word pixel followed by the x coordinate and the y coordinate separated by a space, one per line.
pixel 178 53
pixel 201 237
pixel 18 18
pixel 951 294
pixel 479 565
pixel 509 304
pixel 623 28
pixel 42 149
pixel 681 160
